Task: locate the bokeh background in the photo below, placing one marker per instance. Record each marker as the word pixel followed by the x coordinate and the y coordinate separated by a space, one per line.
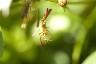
pixel 72 33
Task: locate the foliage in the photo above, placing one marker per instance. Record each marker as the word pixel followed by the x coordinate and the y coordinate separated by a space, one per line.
pixel 70 42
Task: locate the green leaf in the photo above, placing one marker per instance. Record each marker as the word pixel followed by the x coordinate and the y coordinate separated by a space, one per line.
pixel 1 44
pixel 91 59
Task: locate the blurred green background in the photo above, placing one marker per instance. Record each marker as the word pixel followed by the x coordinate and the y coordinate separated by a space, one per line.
pixel 72 31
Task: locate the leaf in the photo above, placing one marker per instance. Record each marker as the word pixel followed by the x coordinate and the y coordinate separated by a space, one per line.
pixel 1 44
pixel 91 59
